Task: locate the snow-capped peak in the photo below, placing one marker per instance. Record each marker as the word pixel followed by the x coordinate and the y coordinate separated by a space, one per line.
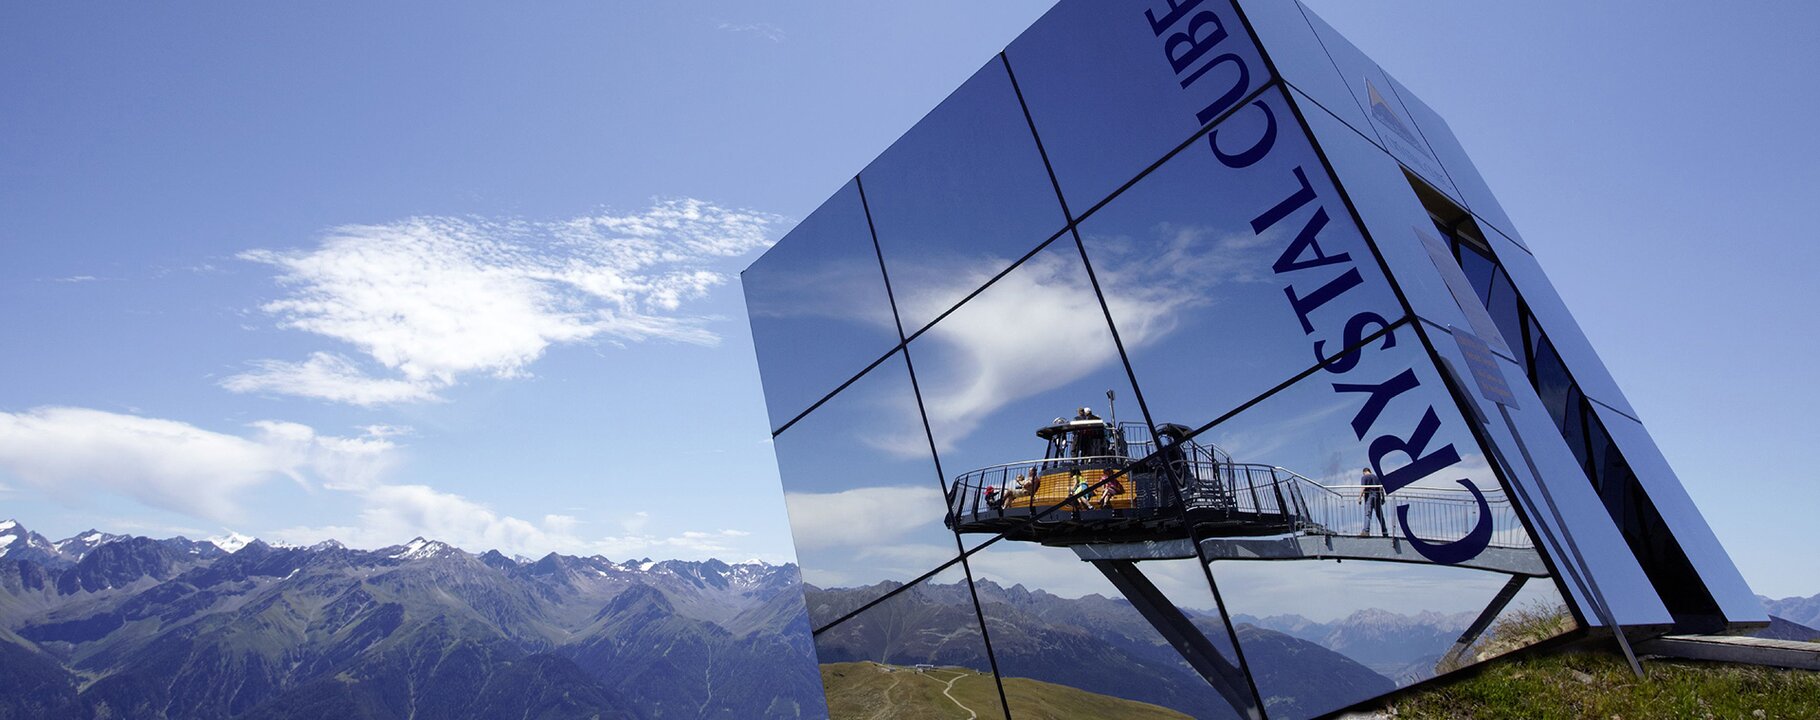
pixel 329 544
pixel 419 548
pixel 232 542
pixel 6 525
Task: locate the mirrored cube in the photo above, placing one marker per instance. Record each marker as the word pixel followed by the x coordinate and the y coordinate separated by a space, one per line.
pixel 1181 364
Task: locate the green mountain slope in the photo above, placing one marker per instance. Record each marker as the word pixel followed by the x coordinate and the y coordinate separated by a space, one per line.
pixel 1600 685
pixel 867 689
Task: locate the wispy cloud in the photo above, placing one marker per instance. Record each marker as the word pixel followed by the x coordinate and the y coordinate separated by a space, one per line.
pixel 435 299
pixel 1001 346
pixel 327 376
pixel 73 453
pixel 75 279
pixel 761 29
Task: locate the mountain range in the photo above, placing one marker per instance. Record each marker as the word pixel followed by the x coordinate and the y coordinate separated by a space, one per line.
pixel 1799 610
pixel 1404 648
pixel 115 627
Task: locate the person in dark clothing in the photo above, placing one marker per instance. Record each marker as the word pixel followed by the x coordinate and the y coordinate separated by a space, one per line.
pixel 1089 440
pixel 1372 495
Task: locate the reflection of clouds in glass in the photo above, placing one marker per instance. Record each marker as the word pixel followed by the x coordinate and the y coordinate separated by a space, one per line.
pixel 861 517
pixel 1305 443
pixel 1036 329
pixel 873 564
pixel 1187 258
pixel 894 425
pixel 1055 570
pixel 832 288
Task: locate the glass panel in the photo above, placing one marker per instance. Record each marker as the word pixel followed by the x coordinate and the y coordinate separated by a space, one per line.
pixel 1374 466
pixel 917 654
pixel 1112 87
pixel 864 496
pixel 1218 296
pixel 1372 88
pixel 1453 158
pixel 1005 379
pixel 1069 642
pixel 1290 42
pixel 1553 384
pixel 1552 314
pixel 1478 270
pixel 1677 510
pixel 1612 566
pixel 1392 214
pixel 1504 308
pixel 818 307
pixel 959 197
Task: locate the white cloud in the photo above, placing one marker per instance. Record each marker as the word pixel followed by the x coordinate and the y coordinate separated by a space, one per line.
pixel 76 279
pixel 70 453
pixel 327 376
pixel 435 299
pixel 860 517
pixel 392 514
pixel 762 29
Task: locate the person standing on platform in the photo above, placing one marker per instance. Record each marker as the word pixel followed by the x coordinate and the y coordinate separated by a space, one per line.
pixel 1372 495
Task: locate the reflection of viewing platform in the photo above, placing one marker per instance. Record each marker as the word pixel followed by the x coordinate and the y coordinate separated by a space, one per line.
pixel 1119 496
pixel 1114 491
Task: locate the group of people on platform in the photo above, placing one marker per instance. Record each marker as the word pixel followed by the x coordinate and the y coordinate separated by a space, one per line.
pixel 1086 441
pixel 1080 491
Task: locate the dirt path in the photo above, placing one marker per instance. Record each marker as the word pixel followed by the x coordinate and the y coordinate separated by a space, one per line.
pixel 949 692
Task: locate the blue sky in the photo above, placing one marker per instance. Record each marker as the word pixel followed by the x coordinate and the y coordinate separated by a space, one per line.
pixel 244 250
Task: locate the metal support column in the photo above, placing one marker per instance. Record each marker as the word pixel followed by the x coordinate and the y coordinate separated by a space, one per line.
pixel 1479 624
pixel 1181 634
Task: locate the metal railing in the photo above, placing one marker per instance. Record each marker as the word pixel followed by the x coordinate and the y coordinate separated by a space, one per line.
pixel 1436 514
pixel 1245 497
pixel 968 494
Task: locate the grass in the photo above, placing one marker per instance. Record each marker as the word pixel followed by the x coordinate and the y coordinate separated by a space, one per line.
pixel 865 690
pixel 1601 685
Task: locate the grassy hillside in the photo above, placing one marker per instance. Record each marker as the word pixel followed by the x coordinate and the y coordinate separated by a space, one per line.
pixel 868 689
pixel 1599 685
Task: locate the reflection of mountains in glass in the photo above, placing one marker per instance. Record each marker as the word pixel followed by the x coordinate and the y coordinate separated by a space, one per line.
pixel 1100 646
pixel 864 689
pixel 1105 482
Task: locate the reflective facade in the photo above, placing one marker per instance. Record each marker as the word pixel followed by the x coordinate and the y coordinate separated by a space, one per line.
pixel 1180 363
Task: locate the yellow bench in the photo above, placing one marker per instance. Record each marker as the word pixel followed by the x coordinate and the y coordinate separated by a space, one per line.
pixel 1053 488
